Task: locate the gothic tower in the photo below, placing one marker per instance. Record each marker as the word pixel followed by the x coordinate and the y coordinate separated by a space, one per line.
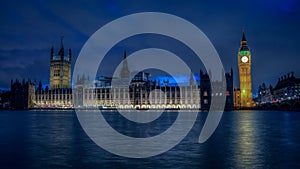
pixel 244 63
pixel 60 69
pixel 125 73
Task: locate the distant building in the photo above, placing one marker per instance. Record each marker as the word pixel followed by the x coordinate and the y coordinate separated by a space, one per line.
pixel 206 92
pixel 265 94
pixel 229 104
pixel 22 94
pixel 56 98
pixel 60 93
pixel 4 99
pixel 140 94
pixel 60 69
pixel 287 88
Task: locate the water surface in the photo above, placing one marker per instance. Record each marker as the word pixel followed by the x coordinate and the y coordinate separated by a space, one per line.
pixel 244 139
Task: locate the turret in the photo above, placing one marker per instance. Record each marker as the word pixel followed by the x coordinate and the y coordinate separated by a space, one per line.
pixel 201 73
pixel 40 86
pixel 124 55
pixel 52 53
pixel 61 52
pixel 70 55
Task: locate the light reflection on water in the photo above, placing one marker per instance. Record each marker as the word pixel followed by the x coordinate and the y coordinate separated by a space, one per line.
pixel 249 139
pixel 247 149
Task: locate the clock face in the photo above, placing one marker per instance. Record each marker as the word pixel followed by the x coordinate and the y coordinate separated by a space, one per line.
pixel 244 59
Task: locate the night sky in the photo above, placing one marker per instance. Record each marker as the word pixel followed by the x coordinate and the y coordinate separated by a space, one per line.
pixel 29 28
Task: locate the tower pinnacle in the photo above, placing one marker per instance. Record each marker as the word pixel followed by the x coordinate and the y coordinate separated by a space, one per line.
pixel 125 73
pixel 61 52
pixel 244 37
pixel 244 45
pixel 124 56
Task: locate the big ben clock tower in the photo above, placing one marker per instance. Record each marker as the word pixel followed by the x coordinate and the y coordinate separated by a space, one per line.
pixel 244 63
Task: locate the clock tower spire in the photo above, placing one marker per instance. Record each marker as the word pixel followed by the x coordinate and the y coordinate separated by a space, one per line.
pixel 244 64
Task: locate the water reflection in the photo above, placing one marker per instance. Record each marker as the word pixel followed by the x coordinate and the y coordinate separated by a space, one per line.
pixel 249 146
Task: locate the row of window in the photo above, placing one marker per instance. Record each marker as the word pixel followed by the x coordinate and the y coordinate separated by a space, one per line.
pixel 205 93
pixel 54 97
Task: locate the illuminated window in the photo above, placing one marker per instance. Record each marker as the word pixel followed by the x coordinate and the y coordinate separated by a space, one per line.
pixel 205 101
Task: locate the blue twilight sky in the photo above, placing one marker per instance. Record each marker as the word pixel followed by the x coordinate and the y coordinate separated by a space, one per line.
pixel 29 28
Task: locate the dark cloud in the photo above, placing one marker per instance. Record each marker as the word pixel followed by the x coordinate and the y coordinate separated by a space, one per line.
pixel 28 29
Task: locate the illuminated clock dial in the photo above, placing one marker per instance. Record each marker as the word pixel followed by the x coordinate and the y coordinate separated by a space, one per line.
pixel 244 59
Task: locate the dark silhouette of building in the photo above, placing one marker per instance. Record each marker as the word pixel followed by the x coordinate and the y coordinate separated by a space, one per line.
pixel 22 94
pixel 265 94
pixel 206 90
pixel 4 99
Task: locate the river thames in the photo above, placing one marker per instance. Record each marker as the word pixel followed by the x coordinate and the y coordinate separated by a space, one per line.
pixel 243 139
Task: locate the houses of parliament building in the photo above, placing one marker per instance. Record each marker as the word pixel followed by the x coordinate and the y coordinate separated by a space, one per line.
pixel 142 93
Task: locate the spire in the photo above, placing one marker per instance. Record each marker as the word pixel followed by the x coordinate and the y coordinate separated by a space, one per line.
pixel 244 37
pixel 61 52
pixel 125 73
pixel 124 56
pixel 244 45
